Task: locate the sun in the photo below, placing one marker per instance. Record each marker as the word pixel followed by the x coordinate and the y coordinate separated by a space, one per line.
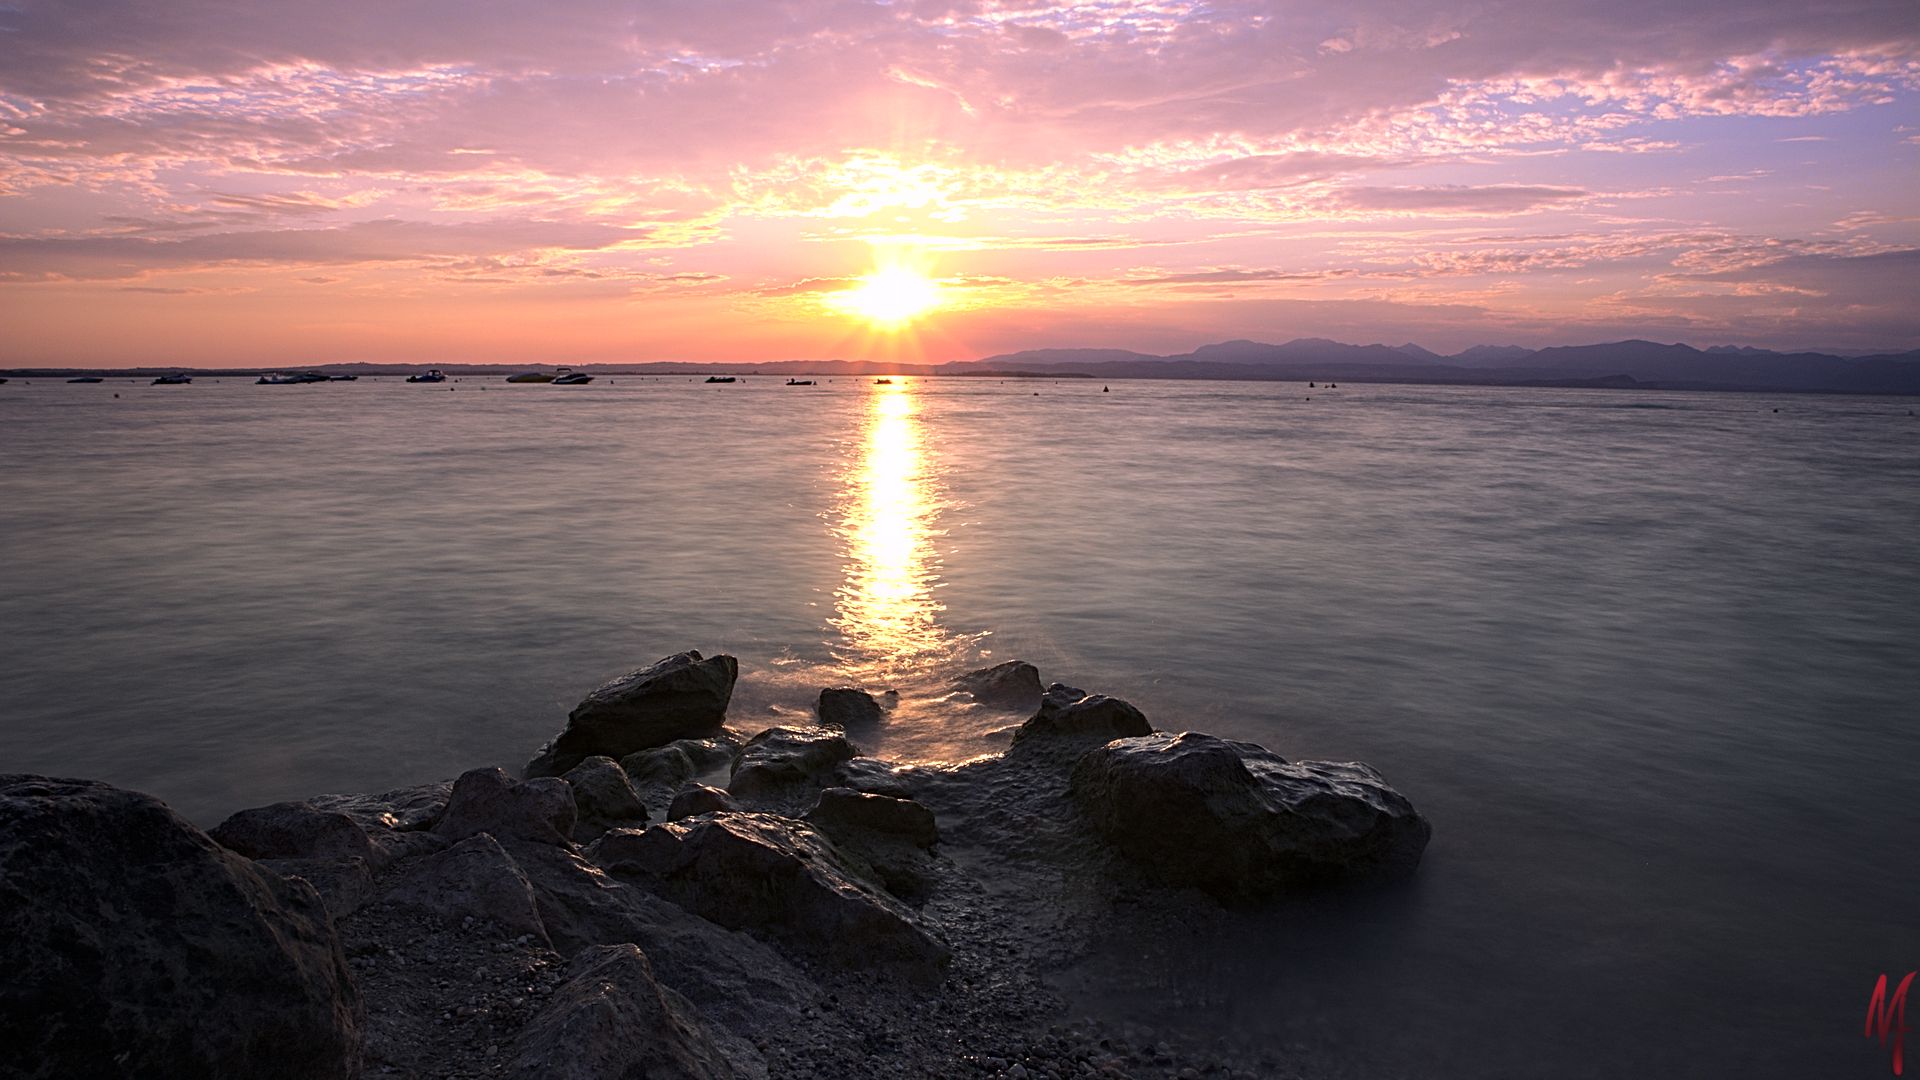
pixel 890 297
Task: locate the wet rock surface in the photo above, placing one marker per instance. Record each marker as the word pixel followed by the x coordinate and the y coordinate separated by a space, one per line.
pixel 860 918
pixel 1242 822
pixel 848 708
pixel 679 697
pixel 1070 713
pixel 1013 685
pixel 136 946
pixel 805 890
pixel 781 757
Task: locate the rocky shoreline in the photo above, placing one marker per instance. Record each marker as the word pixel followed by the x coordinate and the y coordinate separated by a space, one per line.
pixel 658 897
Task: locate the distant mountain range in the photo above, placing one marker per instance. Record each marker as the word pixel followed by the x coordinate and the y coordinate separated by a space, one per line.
pixel 1621 363
pixel 1643 364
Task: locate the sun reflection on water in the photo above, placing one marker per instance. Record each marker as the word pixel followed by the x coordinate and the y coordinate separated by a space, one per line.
pixel 887 615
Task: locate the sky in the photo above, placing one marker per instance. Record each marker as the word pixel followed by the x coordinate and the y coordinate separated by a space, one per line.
pixel 273 182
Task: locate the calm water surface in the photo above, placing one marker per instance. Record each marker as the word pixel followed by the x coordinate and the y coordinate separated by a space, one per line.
pixel 1646 660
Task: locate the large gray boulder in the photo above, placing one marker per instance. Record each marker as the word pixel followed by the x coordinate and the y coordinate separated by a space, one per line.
pixel 1067 712
pixel 490 801
pixel 783 756
pixel 780 877
pixel 1242 822
pixel 474 878
pixel 296 830
pixel 682 696
pixel 611 1020
pixel 136 946
pixel 1014 684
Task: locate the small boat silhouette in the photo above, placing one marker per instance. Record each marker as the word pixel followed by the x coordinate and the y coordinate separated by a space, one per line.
pixel 432 375
pixel 87 379
pixel 799 382
pixel 883 382
pixel 172 380
pixel 721 378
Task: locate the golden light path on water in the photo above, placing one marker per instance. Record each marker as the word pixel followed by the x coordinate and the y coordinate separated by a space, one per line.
pixel 887 616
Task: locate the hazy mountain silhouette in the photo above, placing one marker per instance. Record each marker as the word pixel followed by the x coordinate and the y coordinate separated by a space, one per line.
pixel 1619 363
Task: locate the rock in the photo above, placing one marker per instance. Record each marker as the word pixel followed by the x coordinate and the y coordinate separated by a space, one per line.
pixel 1012 685
pixel 847 708
pixel 473 878
pixel 612 1020
pixel 893 836
pixel 844 811
pixel 402 810
pixel 681 696
pixel 668 765
pixel 730 976
pixel 877 777
pixel 787 755
pixel 700 799
pixel 343 884
pixel 296 830
pixel 135 946
pixel 1239 821
pixel 681 760
pixel 490 801
pixel 780 877
pixel 1067 711
pixel 603 797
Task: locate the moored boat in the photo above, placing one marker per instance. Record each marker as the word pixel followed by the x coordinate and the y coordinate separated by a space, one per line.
pixel 87 379
pixel 432 375
pixel 721 378
pixel 172 380
pixel 571 378
pixel 799 382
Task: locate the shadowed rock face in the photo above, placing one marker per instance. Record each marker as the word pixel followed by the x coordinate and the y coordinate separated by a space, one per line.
pixel 803 889
pixel 474 878
pixel 611 1019
pixel 136 946
pixel 1069 712
pixel 683 696
pixel 490 801
pixel 1240 821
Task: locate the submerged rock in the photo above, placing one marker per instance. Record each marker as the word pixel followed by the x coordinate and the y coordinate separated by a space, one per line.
pixel 877 777
pixel 490 801
pixel 1069 712
pixel 681 696
pixel 848 707
pixel 1240 821
pixel 612 1020
pixel 1012 685
pixel 787 755
pixel 136 946
pixel 780 877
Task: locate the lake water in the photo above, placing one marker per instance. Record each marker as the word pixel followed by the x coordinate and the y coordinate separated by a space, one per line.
pixel 1646 660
